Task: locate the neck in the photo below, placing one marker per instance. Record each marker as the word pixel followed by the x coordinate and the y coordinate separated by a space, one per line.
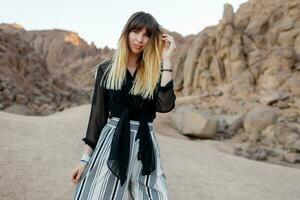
pixel 132 60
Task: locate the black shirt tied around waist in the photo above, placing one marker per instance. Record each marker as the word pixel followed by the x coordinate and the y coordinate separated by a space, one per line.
pixel 118 160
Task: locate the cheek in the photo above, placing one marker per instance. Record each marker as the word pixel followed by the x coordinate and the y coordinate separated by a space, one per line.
pixel 146 41
pixel 130 37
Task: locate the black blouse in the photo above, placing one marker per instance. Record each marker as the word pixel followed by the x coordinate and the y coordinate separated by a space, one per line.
pixel 107 103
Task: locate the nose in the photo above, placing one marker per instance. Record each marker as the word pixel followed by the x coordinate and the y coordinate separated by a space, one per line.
pixel 139 37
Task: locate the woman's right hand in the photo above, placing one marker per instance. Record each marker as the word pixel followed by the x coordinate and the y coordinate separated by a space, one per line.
pixel 76 173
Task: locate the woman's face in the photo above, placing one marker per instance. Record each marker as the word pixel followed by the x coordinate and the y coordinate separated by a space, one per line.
pixel 138 40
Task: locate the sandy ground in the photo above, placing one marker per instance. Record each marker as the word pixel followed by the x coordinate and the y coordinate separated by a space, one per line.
pixel 39 153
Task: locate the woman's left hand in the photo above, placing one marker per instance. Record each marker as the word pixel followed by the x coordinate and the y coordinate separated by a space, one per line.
pixel 169 47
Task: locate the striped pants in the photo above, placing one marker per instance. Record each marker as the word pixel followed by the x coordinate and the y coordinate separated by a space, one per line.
pixel 98 183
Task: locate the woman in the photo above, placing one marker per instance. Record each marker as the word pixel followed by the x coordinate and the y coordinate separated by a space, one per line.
pixel 122 157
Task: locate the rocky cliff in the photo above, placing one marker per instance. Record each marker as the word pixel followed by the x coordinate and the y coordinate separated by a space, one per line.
pixel 42 72
pixel 243 78
pixel 255 49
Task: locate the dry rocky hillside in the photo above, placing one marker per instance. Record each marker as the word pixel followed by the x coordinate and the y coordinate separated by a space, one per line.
pixel 42 72
pixel 239 81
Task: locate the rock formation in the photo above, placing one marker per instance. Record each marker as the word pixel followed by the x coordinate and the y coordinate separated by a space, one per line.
pixel 248 67
pixel 42 72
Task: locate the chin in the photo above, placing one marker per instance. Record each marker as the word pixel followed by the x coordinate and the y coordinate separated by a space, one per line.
pixel 136 51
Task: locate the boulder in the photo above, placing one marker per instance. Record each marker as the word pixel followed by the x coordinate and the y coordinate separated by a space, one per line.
pixel 195 122
pixel 259 118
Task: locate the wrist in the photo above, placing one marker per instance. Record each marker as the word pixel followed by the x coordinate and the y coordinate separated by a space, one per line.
pixel 166 65
pixel 166 62
pixel 85 159
pixel 83 163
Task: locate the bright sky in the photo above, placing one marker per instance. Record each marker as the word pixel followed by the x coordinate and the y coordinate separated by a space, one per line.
pixel 102 21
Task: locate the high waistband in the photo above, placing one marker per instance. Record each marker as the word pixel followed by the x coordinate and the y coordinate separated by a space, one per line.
pixel 113 121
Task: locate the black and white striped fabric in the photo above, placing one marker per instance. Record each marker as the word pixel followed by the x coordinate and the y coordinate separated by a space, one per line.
pixel 98 183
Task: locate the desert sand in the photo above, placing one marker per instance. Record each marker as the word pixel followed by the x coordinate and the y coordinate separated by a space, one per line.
pixel 39 153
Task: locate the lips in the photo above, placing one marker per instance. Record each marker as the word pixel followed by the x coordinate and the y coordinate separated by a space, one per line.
pixel 137 46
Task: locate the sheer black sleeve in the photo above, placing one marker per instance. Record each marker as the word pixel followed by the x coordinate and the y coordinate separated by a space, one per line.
pixel 165 98
pixel 99 112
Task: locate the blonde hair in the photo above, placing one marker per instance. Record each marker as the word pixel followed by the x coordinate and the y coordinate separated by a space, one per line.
pixel 149 61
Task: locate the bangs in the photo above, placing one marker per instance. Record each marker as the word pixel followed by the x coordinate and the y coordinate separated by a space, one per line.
pixel 142 21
